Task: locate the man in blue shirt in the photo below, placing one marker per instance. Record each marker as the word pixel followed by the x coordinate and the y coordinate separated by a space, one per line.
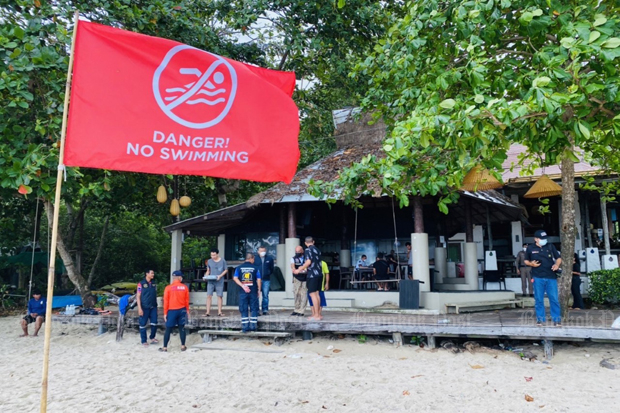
pixel 36 313
pixel 264 263
pixel 248 278
pixel 545 261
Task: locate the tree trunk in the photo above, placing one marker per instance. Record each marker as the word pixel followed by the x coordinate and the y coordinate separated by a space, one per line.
pixel 418 215
pixel 75 277
pixel 567 235
pixel 605 225
pixel 99 250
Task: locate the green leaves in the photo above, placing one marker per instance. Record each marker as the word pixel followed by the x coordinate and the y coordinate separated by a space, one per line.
pixel 611 43
pixel 541 81
pixel 447 104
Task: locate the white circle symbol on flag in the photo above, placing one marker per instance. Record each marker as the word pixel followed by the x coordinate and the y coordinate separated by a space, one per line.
pixel 197 95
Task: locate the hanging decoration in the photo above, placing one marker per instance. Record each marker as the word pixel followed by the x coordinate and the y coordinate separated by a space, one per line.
pixel 185 201
pixel 162 195
pixel 543 188
pixel 479 179
pixel 175 210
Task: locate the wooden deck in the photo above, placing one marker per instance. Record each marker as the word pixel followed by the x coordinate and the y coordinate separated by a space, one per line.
pixel 591 325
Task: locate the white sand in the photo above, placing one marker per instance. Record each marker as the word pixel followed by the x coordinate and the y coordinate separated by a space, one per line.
pixel 95 374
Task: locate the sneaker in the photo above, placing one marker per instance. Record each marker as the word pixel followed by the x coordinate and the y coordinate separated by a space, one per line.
pixel 558 324
pixel 300 314
pixel 265 312
pixel 539 323
pixel 294 314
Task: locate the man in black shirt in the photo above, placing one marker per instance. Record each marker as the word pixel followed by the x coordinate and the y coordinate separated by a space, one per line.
pixel 380 269
pixel 545 261
pixel 576 284
pixel 312 265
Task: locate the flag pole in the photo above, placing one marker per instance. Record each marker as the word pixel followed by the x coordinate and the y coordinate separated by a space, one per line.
pixel 52 265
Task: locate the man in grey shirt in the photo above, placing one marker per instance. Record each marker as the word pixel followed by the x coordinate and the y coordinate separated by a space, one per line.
pixel 216 267
pixel 525 272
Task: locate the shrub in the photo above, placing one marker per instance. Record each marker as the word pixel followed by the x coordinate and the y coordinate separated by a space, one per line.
pixel 605 286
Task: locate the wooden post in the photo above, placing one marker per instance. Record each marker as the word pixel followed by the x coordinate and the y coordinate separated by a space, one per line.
pixel 120 326
pixel 292 221
pixel 418 215
pixel 52 266
pixel 469 226
pixel 489 232
pixel 548 349
pixel 282 224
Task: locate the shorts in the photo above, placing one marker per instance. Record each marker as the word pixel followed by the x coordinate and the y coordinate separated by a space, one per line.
pixel 314 284
pixel 30 319
pixel 217 286
pixel 382 277
pixel 176 317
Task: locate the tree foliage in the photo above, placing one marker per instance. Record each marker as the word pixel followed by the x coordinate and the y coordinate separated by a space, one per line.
pixel 318 40
pixel 458 82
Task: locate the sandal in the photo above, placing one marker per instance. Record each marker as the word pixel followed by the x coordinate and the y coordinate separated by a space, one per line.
pixel 183 348
pixel 220 315
pixel 163 349
pixel 207 315
pixel 154 341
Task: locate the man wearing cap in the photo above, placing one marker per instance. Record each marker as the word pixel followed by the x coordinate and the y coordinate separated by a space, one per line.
pixel 36 313
pixel 248 278
pixel 146 296
pixel 176 309
pixel 545 260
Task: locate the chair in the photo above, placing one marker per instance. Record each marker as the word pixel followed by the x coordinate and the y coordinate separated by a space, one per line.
pixel 346 276
pixel 493 277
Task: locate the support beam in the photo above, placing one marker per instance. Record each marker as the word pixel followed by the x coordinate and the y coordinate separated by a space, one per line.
pixel 290 244
pixel 548 349
pixel 469 226
pixel 292 220
pixel 283 214
pixel 431 341
pixel 420 268
pixel 221 244
pixel 471 266
pixel 176 251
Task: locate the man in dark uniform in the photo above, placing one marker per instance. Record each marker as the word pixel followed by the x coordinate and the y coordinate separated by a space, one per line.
pixel 248 278
pixel 545 261
pixel 312 266
pixel 146 297
pixel 265 264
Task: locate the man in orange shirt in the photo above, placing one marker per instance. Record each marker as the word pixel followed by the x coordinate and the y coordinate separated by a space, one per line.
pixel 176 308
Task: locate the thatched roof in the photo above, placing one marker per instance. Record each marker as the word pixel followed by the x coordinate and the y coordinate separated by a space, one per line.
pixel 355 139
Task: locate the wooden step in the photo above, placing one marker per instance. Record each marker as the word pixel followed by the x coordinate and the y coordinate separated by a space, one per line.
pixel 278 336
pixel 482 306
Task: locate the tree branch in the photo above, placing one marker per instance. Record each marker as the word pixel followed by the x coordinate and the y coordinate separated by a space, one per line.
pixel 517 52
pixel 92 269
pixel 606 111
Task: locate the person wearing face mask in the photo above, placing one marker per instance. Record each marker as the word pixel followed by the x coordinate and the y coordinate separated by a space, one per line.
pixel 299 282
pixel 525 272
pixel 264 262
pixel 545 260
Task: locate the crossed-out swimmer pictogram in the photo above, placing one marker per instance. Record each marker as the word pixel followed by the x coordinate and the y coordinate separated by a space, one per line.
pixel 210 83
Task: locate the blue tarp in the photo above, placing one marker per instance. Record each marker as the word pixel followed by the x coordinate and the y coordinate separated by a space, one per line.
pixel 65 300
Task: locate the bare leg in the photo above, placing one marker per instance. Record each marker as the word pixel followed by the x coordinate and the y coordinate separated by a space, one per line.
pixel 37 325
pixel 219 305
pixel 209 298
pixel 24 328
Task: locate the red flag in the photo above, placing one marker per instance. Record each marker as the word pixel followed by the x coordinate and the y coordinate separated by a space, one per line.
pixel 146 104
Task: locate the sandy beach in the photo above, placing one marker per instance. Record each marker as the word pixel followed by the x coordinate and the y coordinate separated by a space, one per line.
pixel 329 373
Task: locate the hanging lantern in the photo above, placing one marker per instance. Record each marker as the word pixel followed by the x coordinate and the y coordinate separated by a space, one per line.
pixel 162 195
pixel 185 201
pixel 543 188
pixel 479 179
pixel 175 210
